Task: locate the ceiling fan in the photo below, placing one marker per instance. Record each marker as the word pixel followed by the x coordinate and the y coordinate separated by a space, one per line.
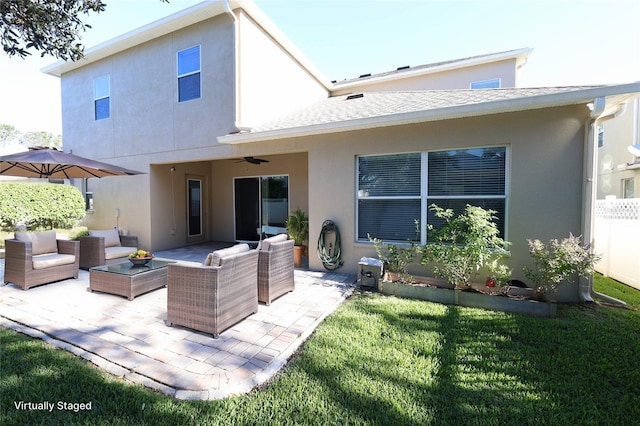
pixel 253 160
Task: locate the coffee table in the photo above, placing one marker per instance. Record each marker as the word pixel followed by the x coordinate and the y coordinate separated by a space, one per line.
pixel 126 279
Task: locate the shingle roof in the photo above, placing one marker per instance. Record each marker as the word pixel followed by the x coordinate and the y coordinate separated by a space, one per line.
pixel 376 104
pixel 369 110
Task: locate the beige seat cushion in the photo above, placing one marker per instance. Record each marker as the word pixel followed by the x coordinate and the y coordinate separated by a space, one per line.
pixel 118 251
pixel 266 243
pixel 111 237
pixel 41 242
pixel 50 260
pixel 213 259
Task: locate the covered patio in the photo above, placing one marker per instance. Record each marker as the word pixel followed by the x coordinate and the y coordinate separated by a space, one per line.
pixel 129 339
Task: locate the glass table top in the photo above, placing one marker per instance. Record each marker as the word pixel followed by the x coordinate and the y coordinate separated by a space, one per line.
pixel 128 268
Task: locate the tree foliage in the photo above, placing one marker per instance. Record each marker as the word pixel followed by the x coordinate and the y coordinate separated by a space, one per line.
pixel 10 135
pixel 42 139
pixel 50 26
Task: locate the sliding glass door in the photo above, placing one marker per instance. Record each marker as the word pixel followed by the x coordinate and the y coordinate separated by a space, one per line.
pixel 261 206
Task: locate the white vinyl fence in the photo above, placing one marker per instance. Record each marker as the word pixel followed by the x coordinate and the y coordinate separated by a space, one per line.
pixel 617 239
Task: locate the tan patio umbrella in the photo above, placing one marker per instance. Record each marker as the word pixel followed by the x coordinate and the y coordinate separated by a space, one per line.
pixel 51 163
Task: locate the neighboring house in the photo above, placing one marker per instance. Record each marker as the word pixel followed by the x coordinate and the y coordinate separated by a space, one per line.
pixel 188 98
pixel 617 224
pixel 618 165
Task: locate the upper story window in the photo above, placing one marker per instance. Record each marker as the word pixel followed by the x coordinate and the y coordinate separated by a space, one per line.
pixel 189 74
pixel 493 83
pixel 102 97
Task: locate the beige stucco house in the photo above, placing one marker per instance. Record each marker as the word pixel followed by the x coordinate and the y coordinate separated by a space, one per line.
pixel 196 100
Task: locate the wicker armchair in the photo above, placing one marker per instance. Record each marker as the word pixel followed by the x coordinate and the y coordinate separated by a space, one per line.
pixel 275 268
pixel 105 248
pixel 213 298
pixel 29 262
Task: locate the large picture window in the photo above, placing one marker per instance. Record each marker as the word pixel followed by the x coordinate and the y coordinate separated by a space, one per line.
pixel 189 74
pixel 394 192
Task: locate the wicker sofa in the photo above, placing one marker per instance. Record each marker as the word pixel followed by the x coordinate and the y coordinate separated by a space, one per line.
pixel 275 268
pixel 105 248
pixel 215 295
pixel 35 258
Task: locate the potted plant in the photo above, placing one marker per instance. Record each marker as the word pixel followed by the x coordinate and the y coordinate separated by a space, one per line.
pixel 298 229
pixel 558 263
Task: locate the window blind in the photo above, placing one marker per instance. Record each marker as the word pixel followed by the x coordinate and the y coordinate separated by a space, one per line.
pixel 390 194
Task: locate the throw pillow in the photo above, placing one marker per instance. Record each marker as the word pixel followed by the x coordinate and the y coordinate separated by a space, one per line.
pixel 41 242
pixel 266 243
pixel 111 237
pixel 219 254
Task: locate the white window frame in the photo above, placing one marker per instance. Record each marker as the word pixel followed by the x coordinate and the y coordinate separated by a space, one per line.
pixel 426 198
pixel 600 135
pixel 189 73
pixel 100 96
pixel 625 186
pixel 486 84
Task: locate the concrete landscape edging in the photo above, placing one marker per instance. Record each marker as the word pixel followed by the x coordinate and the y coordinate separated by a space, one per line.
pixel 469 299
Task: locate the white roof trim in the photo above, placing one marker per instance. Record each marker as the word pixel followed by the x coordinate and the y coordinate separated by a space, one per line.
pixel 446 113
pixel 521 56
pixel 182 19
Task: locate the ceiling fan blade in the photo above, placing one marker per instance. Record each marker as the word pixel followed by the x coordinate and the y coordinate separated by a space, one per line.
pixel 252 160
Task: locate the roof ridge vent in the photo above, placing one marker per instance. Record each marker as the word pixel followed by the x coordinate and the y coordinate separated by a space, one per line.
pixel 355 96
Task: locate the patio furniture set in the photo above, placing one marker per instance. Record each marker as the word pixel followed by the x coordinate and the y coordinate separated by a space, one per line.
pixel 209 297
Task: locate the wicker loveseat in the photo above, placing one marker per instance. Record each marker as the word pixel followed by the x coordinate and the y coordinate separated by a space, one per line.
pixel 275 268
pixel 35 258
pixel 105 248
pixel 216 295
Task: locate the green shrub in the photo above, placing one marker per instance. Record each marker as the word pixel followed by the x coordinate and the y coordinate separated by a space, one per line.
pixel 465 244
pixel 558 262
pixel 396 258
pixel 39 206
pixel 75 234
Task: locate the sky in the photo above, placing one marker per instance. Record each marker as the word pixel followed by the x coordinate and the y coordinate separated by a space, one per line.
pixel 575 42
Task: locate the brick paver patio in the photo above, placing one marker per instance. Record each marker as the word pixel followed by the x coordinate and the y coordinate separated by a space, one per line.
pixel 129 339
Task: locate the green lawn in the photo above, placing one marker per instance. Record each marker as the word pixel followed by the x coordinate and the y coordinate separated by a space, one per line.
pixel 382 360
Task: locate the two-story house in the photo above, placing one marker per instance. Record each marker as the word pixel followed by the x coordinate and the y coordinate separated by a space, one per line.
pixel 236 128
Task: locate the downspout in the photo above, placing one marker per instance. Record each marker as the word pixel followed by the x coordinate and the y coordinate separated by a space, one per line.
pixel 586 291
pixel 236 71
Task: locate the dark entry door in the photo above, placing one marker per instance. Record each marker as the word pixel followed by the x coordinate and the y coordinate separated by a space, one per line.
pixel 194 207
